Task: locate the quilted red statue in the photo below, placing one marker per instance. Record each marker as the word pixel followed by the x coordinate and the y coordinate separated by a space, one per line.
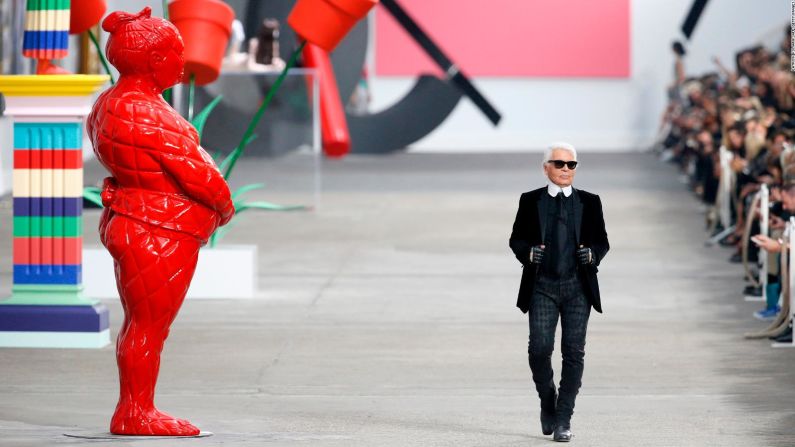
pixel 164 200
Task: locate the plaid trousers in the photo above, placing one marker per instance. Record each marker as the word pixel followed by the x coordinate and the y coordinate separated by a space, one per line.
pixel 553 298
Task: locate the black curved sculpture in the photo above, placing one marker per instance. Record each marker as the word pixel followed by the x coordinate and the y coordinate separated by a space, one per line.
pixel 417 114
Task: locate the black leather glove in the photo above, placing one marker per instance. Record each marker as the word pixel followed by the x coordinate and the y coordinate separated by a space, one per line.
pixel 585 256
pixel 537 254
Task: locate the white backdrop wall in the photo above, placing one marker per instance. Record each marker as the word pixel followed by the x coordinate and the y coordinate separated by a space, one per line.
pixel 599 114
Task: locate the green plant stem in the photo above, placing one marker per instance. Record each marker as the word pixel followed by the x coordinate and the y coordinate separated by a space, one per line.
pixel 249 133
pixel 264 105
pixel 165 9
pixel 101 55
pixel 191 95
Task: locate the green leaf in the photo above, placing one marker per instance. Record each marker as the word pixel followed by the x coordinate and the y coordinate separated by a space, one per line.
pixel 231 159
pixel 220 233
pixel 244 189
pixel 95 200
pixel 201 118
pixel 243 206
pixel 93 195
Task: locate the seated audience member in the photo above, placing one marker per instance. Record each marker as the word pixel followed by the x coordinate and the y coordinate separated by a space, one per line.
pixel 745 117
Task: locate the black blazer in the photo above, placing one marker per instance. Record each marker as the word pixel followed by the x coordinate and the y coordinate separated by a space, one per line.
pixel 529 230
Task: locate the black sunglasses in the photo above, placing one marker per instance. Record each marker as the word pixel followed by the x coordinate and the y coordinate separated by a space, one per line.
pixel 560 163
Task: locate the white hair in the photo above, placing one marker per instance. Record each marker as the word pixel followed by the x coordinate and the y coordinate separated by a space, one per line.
pixel 559 145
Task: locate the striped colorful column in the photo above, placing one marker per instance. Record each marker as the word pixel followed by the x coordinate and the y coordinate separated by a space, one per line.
pixel 47 308
pixel 46 29
pixel 48 190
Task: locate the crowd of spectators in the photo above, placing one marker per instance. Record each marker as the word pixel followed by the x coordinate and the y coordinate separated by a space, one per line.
pixel 730 131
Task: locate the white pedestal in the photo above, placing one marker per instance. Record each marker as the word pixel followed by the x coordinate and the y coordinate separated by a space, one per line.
pixel 228 271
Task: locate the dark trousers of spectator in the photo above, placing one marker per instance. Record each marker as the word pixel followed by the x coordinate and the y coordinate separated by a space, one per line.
pixel 552 299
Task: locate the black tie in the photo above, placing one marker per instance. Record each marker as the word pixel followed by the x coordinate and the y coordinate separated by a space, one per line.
pixel 561 234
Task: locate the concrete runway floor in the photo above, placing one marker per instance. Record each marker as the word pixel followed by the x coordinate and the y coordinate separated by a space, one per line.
pixel 386 317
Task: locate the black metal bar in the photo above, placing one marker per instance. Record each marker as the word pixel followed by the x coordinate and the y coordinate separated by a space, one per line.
pixel 693 17
pixel 453 73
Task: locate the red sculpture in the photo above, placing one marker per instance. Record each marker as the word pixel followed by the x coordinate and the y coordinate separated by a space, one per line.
pixel 164 200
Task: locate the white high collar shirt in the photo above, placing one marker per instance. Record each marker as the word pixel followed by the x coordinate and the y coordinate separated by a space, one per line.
pixel 554 189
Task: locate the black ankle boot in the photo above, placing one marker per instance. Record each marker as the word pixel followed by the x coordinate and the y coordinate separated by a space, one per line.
pixel 562 434
pixel 548 404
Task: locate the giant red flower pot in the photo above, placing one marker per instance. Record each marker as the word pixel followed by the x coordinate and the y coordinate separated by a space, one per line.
pixel 326 22
pixel 85 14
pixel 205 26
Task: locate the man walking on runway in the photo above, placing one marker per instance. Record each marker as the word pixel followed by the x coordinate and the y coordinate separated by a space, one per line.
pixel 559 237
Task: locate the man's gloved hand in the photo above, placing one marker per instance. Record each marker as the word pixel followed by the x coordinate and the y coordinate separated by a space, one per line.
pixel 537 254
pixel 585 255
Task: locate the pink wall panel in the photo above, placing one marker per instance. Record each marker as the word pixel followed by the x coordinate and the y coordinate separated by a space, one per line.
pixel 521 38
